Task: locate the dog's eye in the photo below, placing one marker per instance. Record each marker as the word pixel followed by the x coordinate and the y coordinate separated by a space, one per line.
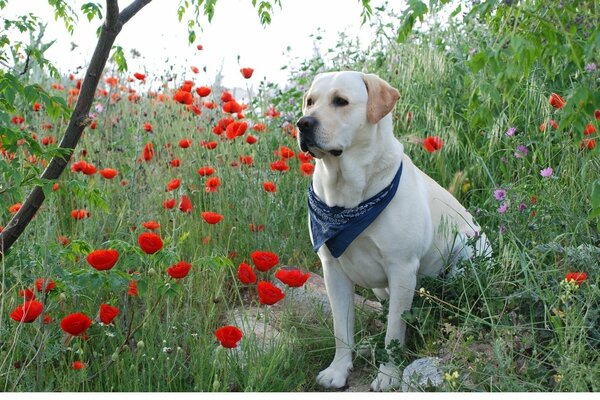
pixel 339 101
pixel 309 102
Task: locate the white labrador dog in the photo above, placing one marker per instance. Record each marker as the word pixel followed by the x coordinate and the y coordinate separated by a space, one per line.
pixel 347 126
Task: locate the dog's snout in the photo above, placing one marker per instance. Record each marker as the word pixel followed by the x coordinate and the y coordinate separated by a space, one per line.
pixel 306 124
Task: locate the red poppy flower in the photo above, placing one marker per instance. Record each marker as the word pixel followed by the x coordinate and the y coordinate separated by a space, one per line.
pixel 292 277
pixel 103 260
pixel 280 165
pixel 55 187
pixel 185 143
pixel 284 152
pixel 577 277
pixel 88 169
pixel 433 143
pixel 212 184
pixel 590 144
pixel 229 336
pixel 148 127
pixel 307 168
pixel 108 313
pixel 36 106
pixel 209 145
pixel 209 104
pixel 256 228
pixel 251 139
pixel 93 125
pixel 77 365
pixel 46 140
pixel 269 187
pixel 150 242
pixel 264 260
pixel 17 120
pixel 47 319
pixel 272 112
pixel 44 285
pixel 75 324
pixel 80 214
pixel 179 270
pixel 195 69
pixel 246 274
pixel 183 97
pixel 199 47
pixel 203 91
pixel 232 107
pixel 557 101
pixel 169 204
pixel 108 173
pixel 246 160
pixel 185 204
pixel 132 289
pixel 139 76
pixel 590 129
pixel 15 208
pixel 268 293
pixel 236 129
pixel 148 152
pixel 173 184
pixel 259 127
pixel 63 240
pixel 27 294
pixel 206 171
pixel 597 114
pixel 211 217
pixel 27 312
pixel 247 72
pixel 176 162
pixel 152 225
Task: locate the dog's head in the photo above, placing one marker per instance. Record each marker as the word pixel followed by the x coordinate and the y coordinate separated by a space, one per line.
pixel 338 107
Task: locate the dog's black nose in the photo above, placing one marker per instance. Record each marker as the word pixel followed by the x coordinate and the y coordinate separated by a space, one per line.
pixel 306 124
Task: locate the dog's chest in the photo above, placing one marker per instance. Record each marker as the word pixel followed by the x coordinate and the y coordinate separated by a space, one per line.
pixel 363 262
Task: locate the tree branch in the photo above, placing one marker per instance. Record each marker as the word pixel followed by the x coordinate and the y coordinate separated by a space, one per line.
pixel 79 118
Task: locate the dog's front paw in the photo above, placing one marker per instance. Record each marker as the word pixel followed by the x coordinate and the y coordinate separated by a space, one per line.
pixel 387 378
pixel 335 376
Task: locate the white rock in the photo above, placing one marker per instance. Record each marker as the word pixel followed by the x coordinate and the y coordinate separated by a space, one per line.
pixel 422 374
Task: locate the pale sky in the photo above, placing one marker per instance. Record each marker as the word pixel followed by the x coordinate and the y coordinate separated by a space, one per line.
pixel 234 31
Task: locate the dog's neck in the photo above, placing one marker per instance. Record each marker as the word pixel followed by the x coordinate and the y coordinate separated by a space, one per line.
pixel 362 171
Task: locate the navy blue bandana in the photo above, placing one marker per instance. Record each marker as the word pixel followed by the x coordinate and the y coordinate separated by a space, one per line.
pixel 337 226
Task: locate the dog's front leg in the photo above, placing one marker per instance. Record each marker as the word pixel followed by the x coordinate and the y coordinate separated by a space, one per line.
pixel 340 291
pixel 402 281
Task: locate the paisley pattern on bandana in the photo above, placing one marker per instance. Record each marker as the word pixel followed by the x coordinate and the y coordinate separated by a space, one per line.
pixel 337 227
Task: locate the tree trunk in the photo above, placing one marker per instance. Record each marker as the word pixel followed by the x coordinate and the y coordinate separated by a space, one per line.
pixel 79 118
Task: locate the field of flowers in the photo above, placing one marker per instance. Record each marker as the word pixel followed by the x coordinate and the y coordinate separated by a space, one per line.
pixel 181 205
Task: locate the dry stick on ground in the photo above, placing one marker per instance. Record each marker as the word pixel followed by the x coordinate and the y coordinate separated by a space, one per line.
pixel 79 118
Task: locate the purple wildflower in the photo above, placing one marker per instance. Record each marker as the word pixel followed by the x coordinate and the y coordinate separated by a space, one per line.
pixel 591 67
pixel 499 194
pixel 521 151
pixel 511 131
pixel 546 172
pixel 502 209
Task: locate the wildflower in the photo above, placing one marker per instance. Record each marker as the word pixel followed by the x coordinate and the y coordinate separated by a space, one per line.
pixel 148 152
pixel 63 240
pixel 77 365
pixel 264 260
pixel 27 294
pixel 246 160
pixel 577 277
pixel 285 152
pixel 108 173
pixel 433 143
pixel 292 278
pixel 36 106
pixel 152 225
pixel 27 312
pixel 597 115
pixel 140 76
pixel 108 313
pixel 591 67
pixel 44 285
pixel 256 228
pixel 546 172
pixel 183 97
pixel 185 204
pixel 269 187
pixel 272 112
pixel 199 47
pixel 173 184
pixel 132 289
pixel 149 242
pixel 211 217
pixel 280 165
pixel 246 274
pixel 185 143
pixel 206 171
pixel 268 293
pixel 176 162
pixel 103 260
pixel 590 144
pixel 502 209
pixel 305 157
pixel 212 184
pixel 148 127
pixel 499 194
pixel 15 208
pixel 75 324
pixel 229 336
pixel 169 204
pixel 590 129
pixel 179 270
pixel 247 72
pixel 511 131
pixel 521 152
pixel 557 101
pixel 194 69
pixel 203 91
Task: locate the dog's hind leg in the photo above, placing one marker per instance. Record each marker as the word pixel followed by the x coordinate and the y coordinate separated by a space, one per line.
pixel 381 294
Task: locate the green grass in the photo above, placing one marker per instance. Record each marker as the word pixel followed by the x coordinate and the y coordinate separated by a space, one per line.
pixel 506 324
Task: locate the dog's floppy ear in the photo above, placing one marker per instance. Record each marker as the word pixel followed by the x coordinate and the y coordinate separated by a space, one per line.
pixel 382 97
